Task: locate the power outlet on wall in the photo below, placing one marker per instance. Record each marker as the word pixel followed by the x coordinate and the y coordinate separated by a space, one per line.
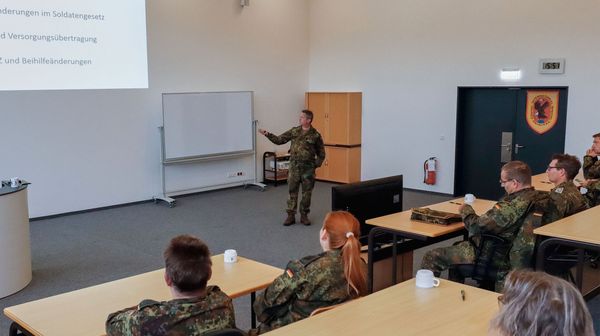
pixel 236 174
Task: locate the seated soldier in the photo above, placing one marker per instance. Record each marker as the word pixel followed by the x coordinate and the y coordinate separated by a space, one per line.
pixel 332 277
pixel 591 165
pixel 564 200
pixel 195 309
pixel 503 220
pixel 566 197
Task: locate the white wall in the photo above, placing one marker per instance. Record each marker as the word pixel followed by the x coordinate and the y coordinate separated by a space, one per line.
pixel 87 149
pixel 409 57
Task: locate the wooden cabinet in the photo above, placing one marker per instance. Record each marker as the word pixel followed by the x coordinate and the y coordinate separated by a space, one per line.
pixel 338 117
pixel 342 164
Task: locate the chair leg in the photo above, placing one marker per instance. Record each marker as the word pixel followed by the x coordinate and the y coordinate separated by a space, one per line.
pixel 570 277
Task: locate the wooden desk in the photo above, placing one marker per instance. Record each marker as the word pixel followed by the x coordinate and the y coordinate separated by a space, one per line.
pixel 84 311
pixel 580 231
pixel 404 309
pixel 408 228
pixel 400 225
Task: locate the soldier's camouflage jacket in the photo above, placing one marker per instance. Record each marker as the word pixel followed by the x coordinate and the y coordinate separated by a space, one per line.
pixel 179 317
pixel 591 167
pixel 593 194
pixel 306 147
pixel 503 220
pixel 562 201
pixel 307 284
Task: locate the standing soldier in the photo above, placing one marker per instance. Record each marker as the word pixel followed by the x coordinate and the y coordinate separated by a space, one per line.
pixel 503 220
pixel 307 153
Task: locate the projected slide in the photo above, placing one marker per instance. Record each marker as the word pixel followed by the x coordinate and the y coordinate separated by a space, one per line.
pixel 72 44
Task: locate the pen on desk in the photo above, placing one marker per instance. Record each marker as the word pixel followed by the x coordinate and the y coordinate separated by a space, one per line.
pixel 457 203
pixel 462 294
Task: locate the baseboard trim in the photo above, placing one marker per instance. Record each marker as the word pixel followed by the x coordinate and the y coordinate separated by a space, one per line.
pixel 63 214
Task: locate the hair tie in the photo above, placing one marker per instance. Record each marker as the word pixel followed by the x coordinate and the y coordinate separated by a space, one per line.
pixel 349 234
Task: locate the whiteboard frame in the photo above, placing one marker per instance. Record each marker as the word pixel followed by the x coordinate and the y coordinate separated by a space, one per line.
pixel 212 156
pixel 208 157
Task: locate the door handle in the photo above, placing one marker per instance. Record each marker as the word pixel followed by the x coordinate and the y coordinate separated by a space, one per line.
pixel 517 146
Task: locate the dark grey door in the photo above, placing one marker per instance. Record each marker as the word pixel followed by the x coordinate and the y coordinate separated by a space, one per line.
pixel 486 117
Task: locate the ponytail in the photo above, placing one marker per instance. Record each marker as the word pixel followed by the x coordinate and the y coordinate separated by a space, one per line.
pixel 343 229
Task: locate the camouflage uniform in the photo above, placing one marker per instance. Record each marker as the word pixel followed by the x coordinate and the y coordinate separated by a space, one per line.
pixel 503 220
pixel 307 284
pixel 190 316
pixel 307 152
pixel 521 251
pixel 567 199
pixel 591 167
pixel 593 194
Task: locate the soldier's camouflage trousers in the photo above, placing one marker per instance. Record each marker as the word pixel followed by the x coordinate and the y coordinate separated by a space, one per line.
pixel 442 258
pixel 300 174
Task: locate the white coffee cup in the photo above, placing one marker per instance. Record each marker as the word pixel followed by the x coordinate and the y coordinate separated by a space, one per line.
pixel 230 256
pixel 469 198
pixel 425 279
pixel 15 182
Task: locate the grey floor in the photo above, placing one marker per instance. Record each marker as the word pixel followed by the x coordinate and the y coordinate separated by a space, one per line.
pixel 76 251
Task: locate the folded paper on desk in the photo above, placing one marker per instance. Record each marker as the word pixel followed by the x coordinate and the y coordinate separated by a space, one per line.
pixel 434 216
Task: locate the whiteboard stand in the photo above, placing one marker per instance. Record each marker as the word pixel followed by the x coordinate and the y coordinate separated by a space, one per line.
pixel 260 185
pixel 163 197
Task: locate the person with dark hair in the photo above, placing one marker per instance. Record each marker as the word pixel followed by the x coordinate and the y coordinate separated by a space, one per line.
pixel 332 277
pixel 565 196
pixel 307 152
pixel 503 220
pixel 196 308
pixel 591 165
pixel 539 304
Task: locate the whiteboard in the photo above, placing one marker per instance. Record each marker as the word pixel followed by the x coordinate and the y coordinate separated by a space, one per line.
pixel 206 124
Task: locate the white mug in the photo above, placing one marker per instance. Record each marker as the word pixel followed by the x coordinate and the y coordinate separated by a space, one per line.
pixel 15 182
pixel 469 198
pixel 230 256
pixel 425 279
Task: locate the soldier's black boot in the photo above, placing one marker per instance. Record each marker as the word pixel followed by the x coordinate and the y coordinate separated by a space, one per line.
pixel 304 219
pixel 291 219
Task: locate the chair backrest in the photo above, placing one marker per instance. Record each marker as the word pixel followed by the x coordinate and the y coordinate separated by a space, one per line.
pixel 541 211
pixel 226 332
pixel 491 250
pixel 324 309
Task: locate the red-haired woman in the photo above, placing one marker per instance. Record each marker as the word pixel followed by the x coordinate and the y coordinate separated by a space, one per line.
pixel 332 277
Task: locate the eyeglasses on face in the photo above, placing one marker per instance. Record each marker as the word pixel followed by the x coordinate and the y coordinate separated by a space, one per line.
pixel 553 167
pixel 504 182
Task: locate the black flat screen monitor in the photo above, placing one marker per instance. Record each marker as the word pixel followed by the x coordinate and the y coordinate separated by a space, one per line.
pixel 368 199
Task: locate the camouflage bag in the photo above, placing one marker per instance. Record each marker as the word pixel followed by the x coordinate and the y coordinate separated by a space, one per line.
pixel 434 216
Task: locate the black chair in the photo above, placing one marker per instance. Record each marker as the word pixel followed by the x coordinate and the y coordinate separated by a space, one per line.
pixel 227 332
pixel 485 269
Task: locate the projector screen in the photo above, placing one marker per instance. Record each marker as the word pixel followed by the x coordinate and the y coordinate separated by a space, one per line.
pixel 72 44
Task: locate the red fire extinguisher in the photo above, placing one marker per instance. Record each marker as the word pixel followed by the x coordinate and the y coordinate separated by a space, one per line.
pixel 429 171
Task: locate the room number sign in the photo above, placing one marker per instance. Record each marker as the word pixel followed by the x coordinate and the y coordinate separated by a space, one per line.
pixel 552 66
